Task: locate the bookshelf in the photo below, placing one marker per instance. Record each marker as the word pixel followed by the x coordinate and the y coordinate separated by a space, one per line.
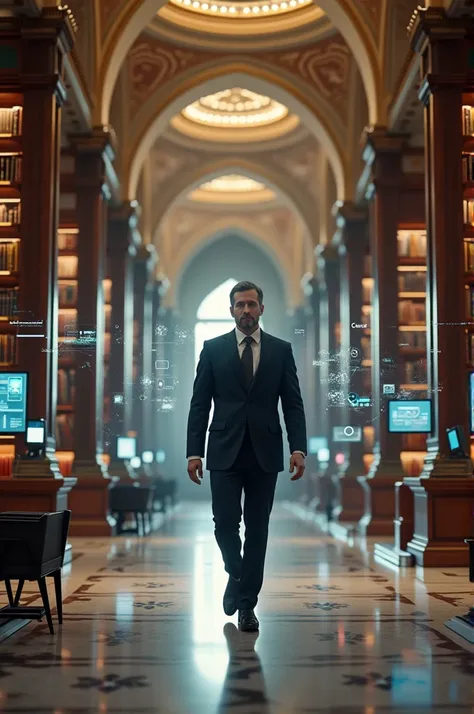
pixel 412 334
pixel 366 348
pixel 11 159
pixel 67 322
pixel 467 165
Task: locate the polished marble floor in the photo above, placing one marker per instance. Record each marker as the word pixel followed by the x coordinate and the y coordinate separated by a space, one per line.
pixel 144 631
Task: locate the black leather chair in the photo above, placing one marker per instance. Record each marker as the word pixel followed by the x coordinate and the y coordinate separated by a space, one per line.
pixel 32 547
pixel 137 500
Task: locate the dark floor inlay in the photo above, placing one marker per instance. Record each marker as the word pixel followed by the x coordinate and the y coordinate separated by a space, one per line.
pixel 326 606
pixel 111 683
pixel 350 638
pixel 150 605
pixel 320 588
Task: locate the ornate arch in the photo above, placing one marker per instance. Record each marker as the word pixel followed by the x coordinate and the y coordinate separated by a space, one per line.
pixel 215 231
pixel 138 13
pixel 279 183
pixel 179 94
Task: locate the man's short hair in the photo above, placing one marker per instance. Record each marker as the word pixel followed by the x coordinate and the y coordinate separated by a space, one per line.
pixel 242 287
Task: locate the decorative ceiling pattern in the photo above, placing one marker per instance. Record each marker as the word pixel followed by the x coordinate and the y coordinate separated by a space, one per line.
pixel 151 63
pixel 109 11
pixel 371 10
pixel 325 67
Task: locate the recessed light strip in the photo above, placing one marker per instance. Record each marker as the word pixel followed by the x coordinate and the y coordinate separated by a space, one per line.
pixel 250 9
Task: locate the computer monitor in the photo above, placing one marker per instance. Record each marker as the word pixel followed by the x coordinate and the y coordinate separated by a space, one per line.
pixel 147 457
pixel 126 447
pixel 13 402
pixel 315 443
pixel 35 432
pixel 457 443
pixel 410 416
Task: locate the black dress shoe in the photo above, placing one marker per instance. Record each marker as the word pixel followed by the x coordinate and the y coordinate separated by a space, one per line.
pixel 247 621
pixel 230 596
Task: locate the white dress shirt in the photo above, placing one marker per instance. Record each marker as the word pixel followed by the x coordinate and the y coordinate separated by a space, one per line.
pixel 255 344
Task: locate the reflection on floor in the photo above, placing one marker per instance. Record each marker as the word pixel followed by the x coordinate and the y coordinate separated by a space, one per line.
pixel 144 632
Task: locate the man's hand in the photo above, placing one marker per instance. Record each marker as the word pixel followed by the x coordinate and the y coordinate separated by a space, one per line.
pixel 195 468
pixel 297 460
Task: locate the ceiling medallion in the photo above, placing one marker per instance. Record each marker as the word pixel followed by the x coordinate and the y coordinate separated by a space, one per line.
pixel 242 10
pixel 235 108
pixel 232 183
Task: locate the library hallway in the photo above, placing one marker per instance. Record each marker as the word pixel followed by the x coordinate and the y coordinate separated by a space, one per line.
pixel 144 631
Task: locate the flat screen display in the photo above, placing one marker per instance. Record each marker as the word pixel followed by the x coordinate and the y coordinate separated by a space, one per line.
pixel 13 402
pixel 346 433
pixel 453 440
pixel 315 443
pixel 35 431
pixel 409 416
pixel 126 447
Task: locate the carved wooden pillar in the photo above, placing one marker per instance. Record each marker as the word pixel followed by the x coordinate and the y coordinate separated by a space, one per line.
pixel 311 385
pixel 383 154
pixel 328 267
pixel 444 495
pixel 123 240
pixel 89 505
pixel 156 369
pixel 144 270
pixel 351 241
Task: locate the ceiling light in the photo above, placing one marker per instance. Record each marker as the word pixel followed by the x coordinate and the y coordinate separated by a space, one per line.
pixel 256 9
pixel 265 8
pixel 252 109
pixel 205 6
pixel 232 183
pixel 214 8
pixel 246 10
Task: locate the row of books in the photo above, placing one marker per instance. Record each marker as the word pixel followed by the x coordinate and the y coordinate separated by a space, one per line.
pixel 11 120
pixel 468 256
pixel 67 294
pixel 64 432
pixel 415 372
pixel 9 256
pixel 469 301
pixel 67 241
pixel 467 120
pixel 468 211
pixel 7 349
pixel 66 386
pixel 412 244
pixel 468 167
pixel 8 301
pixel 470 348
pixel 10 213
pixel 411 313
pixel 412 340
pixel 412 282
pixel 414 442
pixel 67 266
pixel 10 168
pixel 67 322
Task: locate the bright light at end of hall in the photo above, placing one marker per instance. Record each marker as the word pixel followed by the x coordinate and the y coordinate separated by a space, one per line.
pixel 243 9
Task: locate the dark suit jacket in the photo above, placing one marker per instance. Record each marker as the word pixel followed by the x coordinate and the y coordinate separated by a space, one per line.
pixel 220 377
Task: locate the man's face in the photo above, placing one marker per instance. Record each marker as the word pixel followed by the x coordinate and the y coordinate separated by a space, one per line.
pixel 246 310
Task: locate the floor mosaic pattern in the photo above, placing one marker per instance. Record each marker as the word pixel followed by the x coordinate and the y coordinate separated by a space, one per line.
pixel 144 631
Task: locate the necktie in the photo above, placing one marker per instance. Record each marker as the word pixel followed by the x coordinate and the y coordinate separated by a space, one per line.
pixel 247 361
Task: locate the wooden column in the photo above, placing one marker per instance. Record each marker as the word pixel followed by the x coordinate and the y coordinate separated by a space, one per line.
pixel 89 505
pixel 157 337
pixel 144 269
pixel 32 75
pixel 383 154
pixel 328 267
pixel 444 495
pixel 123 240
pixel 351 241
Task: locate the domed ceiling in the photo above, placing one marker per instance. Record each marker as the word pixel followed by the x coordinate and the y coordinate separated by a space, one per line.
pixel 237 23
pixel 235 115
pixel 232 188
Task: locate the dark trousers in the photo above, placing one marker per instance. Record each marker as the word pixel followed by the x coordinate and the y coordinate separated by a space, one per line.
pixel 259 490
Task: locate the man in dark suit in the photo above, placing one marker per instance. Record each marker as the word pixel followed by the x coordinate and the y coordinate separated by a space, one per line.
pixel 245 372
